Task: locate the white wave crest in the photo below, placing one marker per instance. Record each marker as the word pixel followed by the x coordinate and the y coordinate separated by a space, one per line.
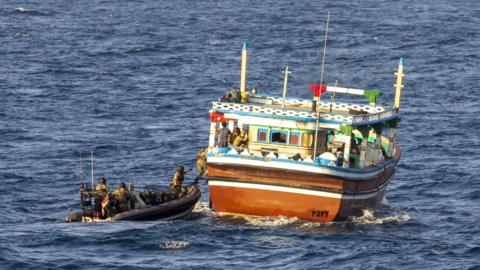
pixel 203 208
pixel 173 244
pixel 271 221
pixel 368 217
pixel 21 9
pixel 384 200
pixel 30 91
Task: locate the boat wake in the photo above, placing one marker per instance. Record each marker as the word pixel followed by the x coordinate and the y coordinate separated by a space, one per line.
pixel 369 217
pixel 278 221
pixel 202 208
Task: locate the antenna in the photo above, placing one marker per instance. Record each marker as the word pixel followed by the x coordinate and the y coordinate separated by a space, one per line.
pixel 324 51
pixel 81 169
pixel 91 167
pixel 321 81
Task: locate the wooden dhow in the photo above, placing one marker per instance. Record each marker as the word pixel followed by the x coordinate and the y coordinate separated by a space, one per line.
pixel 308 158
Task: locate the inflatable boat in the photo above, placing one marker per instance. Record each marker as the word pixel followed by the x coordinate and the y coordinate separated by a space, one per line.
pixel 146 205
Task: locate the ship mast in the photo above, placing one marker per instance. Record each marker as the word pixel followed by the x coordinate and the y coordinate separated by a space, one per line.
pixel 321 81
pixel 243 72
pixel 285 81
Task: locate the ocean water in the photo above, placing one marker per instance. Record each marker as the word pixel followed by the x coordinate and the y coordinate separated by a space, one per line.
pixel 133 81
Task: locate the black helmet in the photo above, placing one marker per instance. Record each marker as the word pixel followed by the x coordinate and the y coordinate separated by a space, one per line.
pixel 180 168
pixel 122 185
pixel 103 180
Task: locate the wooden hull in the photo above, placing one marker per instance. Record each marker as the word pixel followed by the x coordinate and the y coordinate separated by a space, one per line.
pixel 246 187
pixel 273 203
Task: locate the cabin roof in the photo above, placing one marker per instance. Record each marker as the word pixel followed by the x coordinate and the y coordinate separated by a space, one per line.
pixel 353 114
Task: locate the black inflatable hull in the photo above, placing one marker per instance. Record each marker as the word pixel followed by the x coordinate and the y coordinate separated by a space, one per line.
pixel 166 211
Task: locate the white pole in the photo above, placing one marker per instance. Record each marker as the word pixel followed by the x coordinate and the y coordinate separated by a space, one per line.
pixel 399 84
pixel 321 81
pixel 285 87
pixel 243 71
pixel 92 168
pixel 333 97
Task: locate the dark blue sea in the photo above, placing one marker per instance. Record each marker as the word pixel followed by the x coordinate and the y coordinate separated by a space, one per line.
pixel 133 81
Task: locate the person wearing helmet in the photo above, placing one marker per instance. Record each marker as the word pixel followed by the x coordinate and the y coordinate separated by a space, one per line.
pixel 241 141
pixel 102 185
pixel 102 192
pixel 236 133
pixel 121 197
pixel 201 163
pixel 178 178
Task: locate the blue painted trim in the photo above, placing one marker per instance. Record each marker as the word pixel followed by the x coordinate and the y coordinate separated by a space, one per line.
pixel 223 149
pixel 266 135
pixel 291 161
pixel 294 133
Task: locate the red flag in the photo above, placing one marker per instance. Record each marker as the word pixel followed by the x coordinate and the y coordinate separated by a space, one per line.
pixel 318 89
pixel 217 117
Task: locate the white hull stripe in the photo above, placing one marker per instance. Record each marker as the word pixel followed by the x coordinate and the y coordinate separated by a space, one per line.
pixel 293 190
pixel 293 167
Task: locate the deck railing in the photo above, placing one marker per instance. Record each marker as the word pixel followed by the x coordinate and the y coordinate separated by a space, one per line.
pixel 305 114
pixel 358 119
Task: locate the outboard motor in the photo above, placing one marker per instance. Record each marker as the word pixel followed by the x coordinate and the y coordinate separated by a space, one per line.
pixel 73 217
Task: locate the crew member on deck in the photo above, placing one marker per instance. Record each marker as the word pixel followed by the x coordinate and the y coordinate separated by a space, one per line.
pixel 102 185
pixel 223 135
pixel 201 163
pixel 103 191
pixel 121 197
pixel 241 140
pixel 178 179
pixel 236 133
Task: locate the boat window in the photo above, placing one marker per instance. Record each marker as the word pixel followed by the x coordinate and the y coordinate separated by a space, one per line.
pixel 262 135
pixel 278 136
pixel 295 138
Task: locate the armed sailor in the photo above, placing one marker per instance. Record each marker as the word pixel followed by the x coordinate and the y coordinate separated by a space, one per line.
pixel 178 178
pixel 102 185
pixel 121 198
pixel 201 163
pixel 241 141
pixel 101 192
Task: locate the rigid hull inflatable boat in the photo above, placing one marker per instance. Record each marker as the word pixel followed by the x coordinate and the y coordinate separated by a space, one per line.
pixel 147 205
